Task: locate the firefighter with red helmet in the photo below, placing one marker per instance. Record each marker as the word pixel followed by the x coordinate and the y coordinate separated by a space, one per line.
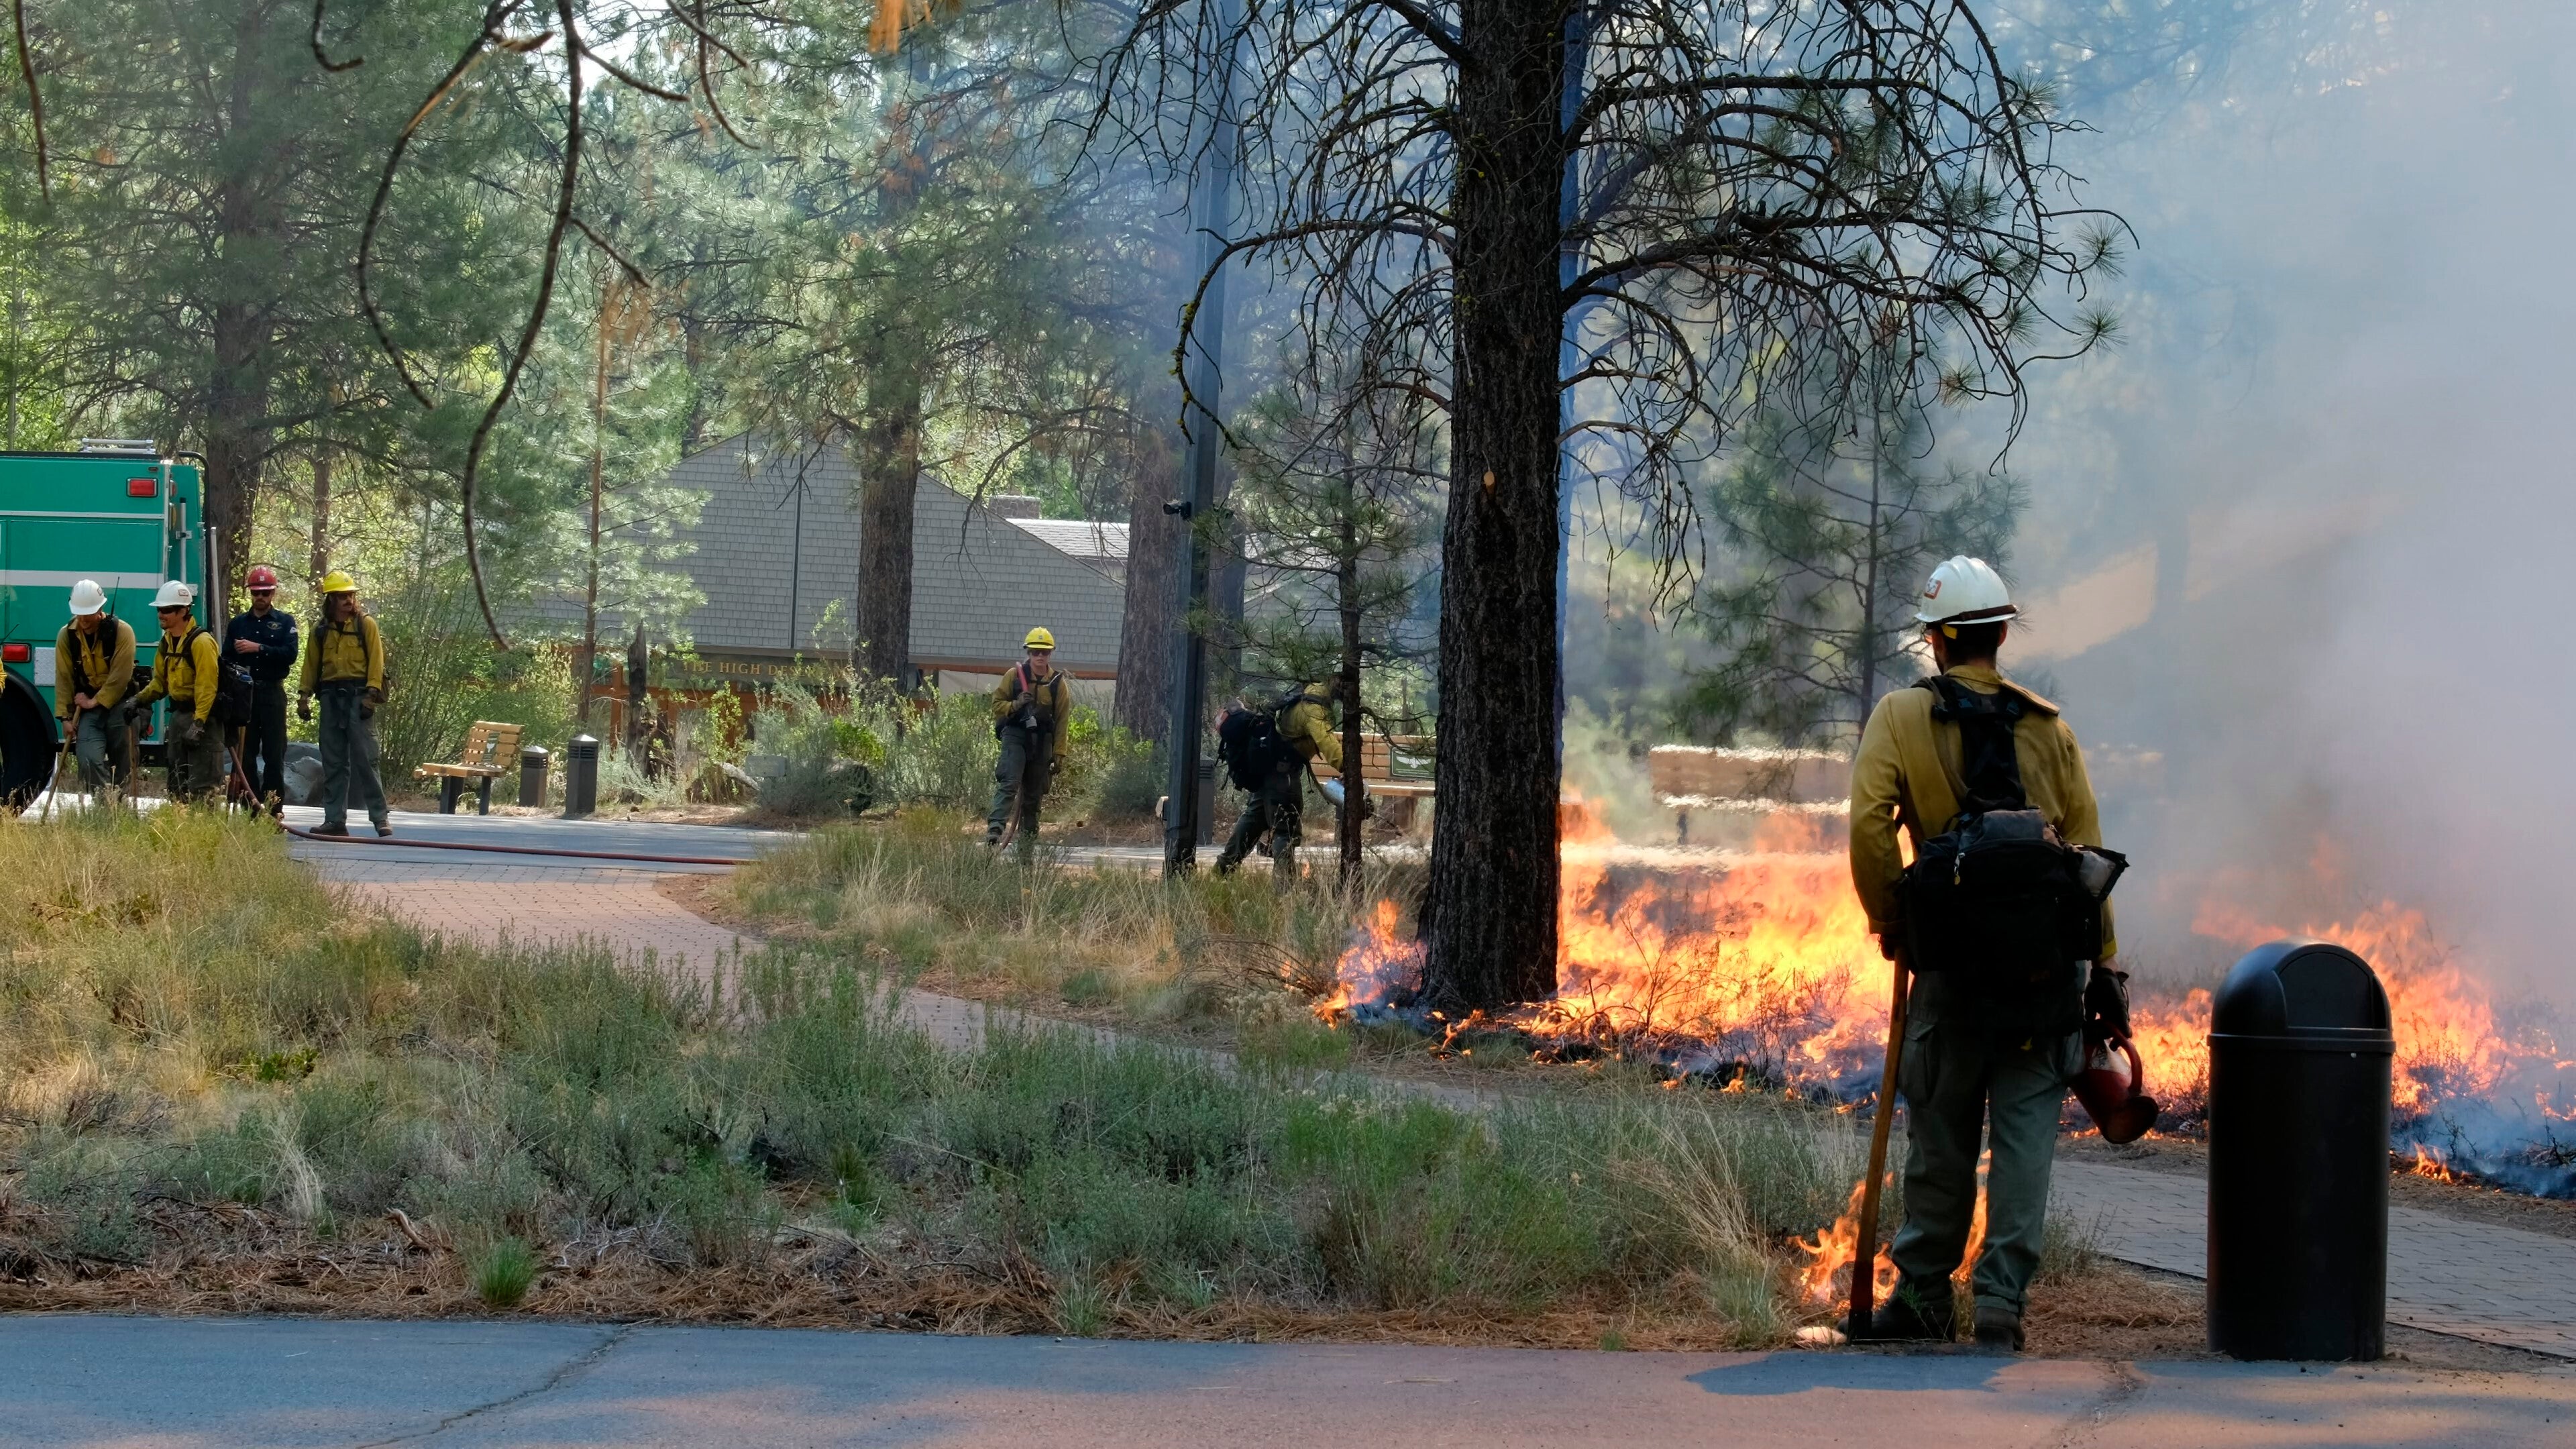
pixel 263 641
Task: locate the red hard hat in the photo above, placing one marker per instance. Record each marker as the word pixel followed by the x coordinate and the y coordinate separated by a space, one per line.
pixel 261 577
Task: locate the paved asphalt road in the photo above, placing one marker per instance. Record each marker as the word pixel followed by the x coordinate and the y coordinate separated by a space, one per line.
pixel 286 1382
pixel 639 837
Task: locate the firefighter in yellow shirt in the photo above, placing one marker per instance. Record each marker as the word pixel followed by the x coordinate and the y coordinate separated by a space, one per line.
pixel 1033 721
pixel 186 672
pixel 1974 1058
pixel 344 662
pixel 93 682
pixel 1276 780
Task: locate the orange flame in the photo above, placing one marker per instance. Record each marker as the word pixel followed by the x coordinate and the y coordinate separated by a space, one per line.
pixel 1760 964
pixel 2448 1038
pixel 1825 1278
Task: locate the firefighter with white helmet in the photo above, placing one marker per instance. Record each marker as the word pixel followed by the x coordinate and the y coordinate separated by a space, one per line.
pixel 187 671
pixel 344 662
pixel 1980 1050
pixel 1033 720
pixel 93 675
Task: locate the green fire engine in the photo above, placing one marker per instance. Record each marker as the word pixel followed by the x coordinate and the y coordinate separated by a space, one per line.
pixel 117 511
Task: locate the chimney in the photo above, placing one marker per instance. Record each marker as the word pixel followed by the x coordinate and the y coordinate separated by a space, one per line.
pixel 1014 505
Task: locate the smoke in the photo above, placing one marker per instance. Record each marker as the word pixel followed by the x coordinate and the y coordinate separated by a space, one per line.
pixel 2304 536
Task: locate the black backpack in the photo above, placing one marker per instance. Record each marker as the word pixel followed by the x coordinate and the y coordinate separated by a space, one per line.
pixel 232 684
pixel 1998 901
pixel 1251 743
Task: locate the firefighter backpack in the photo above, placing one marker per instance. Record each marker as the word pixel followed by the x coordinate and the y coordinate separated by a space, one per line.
pixel 1998 900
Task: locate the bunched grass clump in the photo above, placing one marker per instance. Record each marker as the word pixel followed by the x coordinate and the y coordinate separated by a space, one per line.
pixel 216 1083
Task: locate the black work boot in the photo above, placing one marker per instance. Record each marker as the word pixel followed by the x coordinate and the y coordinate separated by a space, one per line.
pixel 1998 1328
pixel 1911 1316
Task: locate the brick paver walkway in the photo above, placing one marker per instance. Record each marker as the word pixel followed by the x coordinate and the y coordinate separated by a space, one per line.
pixel 2493 1284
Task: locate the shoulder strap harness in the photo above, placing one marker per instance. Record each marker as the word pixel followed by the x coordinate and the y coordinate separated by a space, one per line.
pixel 1989 765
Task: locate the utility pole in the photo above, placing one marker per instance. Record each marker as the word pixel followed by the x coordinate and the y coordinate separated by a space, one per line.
pixel 1205 327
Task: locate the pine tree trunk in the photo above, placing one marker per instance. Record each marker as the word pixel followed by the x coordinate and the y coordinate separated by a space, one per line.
pixel 1491 912
pixel 889 472
pixel 1143 705
pixel 247 226
pixel 320 563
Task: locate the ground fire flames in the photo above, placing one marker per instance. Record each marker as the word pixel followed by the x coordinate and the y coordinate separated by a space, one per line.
pixel 1757 969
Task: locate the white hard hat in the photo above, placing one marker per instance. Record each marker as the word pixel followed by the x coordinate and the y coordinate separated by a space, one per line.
pixel 174 595
pixel 1965 590
pixel 87 598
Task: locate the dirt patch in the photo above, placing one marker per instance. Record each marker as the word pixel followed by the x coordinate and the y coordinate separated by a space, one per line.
pixel 237 1260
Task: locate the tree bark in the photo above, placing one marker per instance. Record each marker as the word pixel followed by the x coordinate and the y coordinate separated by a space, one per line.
pixel 1491 912
pixel 889 472
pixel 584 658
pixel 1149 615
pixel 320 563
pixel 237 434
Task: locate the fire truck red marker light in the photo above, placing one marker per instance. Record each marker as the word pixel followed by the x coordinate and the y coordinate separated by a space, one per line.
pixel 17 653
pixel 142 487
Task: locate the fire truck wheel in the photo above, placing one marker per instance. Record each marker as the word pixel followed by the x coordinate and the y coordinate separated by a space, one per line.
pixel 27 742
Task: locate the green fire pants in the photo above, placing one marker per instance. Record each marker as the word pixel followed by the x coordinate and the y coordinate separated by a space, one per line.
pixel 1021 771
pixel 1960 1076
pixel 1278 808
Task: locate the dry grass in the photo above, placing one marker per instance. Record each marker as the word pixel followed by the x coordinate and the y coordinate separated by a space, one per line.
pixel 217 1093
pixel 933 906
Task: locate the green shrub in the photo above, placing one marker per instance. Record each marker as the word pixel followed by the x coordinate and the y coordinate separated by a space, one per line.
pixel 503 1273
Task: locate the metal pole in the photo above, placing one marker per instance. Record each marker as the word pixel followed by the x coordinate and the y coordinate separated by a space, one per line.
pixel 1206 330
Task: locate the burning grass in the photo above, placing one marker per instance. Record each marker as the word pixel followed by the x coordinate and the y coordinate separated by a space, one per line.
pixel 220 1094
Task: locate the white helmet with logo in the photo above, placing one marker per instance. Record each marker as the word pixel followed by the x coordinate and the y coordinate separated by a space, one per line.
pixel 1965 590
pixel 87 598
pixel 174 595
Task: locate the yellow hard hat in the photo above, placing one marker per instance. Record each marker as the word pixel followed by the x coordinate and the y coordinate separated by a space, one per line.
pixel 1038 638
pixel 338 582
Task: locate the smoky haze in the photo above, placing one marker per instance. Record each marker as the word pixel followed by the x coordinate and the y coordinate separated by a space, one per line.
pixel 2307 534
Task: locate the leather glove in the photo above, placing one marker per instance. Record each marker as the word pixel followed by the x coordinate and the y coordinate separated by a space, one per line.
pixel 304 707
pixel 2106 1004
pixel 188 729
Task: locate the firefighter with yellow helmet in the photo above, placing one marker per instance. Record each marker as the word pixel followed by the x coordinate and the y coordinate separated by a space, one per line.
pixel 1033 720
pixel 344 663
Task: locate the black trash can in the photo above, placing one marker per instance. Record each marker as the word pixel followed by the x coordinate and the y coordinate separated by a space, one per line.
pixel 2299 1058
pixel 532 775
pixel 581 777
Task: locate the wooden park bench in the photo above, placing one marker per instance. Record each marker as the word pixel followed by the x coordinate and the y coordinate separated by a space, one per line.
pixel 1395 769
pixel 491 751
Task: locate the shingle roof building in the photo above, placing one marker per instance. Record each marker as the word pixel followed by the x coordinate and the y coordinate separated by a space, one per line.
pixel 777 554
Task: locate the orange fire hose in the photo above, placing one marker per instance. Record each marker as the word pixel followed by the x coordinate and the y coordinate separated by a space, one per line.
pixel 1865 1242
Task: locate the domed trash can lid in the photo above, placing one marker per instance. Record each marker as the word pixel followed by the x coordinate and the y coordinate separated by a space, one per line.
pixel 2312 990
